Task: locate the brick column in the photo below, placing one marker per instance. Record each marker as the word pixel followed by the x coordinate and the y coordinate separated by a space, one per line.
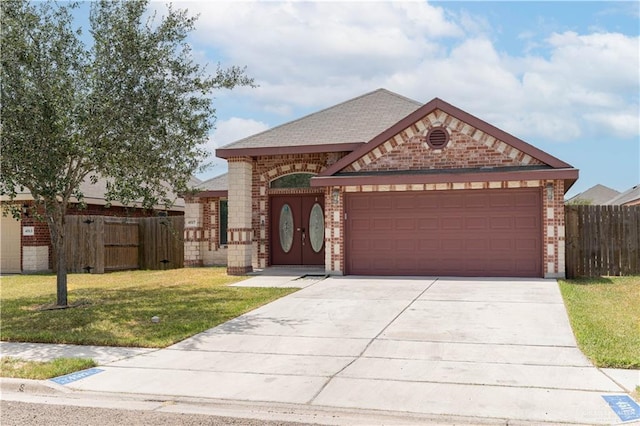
pixel 334 231
pixel 240 233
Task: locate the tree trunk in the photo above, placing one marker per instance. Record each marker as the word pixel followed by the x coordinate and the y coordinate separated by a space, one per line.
pixel 61 274
pixel 56 230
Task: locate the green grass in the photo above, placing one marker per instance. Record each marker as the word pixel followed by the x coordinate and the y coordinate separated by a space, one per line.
pixel 37 370
pixel 116 309
pixel 605 316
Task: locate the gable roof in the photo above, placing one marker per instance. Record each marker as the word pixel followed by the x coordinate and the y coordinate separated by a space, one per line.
pixel 597 194
pixel 554 169
pixel 342 127
pixel 629 197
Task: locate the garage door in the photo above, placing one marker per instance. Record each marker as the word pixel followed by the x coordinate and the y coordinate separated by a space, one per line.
pixel 447 233
pixel 10 245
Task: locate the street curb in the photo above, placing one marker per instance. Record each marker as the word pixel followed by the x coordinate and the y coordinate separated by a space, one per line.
pixel 8 384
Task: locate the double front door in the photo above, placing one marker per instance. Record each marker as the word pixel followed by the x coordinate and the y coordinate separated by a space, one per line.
pixel 297 229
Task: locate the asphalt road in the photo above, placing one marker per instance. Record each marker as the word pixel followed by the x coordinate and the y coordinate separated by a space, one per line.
pixel 13 413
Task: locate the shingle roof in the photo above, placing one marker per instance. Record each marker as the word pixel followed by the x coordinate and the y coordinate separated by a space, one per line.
pixel 355 120
pixel 94 193
pixel 632 194
pixel 218 183
pixel 596 195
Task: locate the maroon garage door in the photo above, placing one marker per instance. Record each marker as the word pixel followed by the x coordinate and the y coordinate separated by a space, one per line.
pixel 452 233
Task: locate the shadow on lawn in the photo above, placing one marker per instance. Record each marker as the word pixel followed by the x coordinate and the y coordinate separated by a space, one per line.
pixel 590 280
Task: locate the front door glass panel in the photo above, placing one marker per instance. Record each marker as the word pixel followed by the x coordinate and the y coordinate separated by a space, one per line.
pixel 286 228
pixel 316 228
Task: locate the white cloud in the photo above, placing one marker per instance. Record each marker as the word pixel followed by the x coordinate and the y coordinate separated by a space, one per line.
pixel 226 132
pixel 309 55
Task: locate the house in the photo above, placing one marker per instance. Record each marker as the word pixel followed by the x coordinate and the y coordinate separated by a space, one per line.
pixel 26 243
pixel 630 197
pixel 597 194
pixel 381 184
pixel 205 228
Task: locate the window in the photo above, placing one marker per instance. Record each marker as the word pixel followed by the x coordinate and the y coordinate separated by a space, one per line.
pixel 294 180
pixel 223 216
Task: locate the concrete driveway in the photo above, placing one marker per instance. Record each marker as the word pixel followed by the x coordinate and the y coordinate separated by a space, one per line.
pixel 479 348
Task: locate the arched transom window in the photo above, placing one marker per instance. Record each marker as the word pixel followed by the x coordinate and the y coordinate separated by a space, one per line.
pixel 294 180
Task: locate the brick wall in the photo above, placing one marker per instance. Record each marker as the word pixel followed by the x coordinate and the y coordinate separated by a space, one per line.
pixel 201 234
pixel 468 147
pixel 553 228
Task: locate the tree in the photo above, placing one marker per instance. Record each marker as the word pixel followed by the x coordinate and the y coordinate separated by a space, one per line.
pixel 131 106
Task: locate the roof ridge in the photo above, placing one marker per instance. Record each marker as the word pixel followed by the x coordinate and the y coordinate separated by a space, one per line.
pixel 288 123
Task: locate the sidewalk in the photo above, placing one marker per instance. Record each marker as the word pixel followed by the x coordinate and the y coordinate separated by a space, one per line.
pixel 46 352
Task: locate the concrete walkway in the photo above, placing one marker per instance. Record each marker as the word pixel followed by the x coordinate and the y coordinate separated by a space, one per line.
pixel 478 348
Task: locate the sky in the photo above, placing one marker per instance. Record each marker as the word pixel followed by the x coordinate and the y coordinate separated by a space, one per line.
pixel 563 76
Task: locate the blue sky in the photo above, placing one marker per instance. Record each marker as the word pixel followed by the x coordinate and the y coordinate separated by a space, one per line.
pixel 563 76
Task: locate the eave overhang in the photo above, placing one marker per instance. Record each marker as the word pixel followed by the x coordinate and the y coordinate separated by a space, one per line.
pixel 212 194
pixel 284 150
pixel 569 175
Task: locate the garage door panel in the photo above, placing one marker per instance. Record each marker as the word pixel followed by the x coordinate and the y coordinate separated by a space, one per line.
pixel 406 245
pixel 403 202
pixel 381 225
pixel 428 223
pixel 475 201
pixel 500 244
pixel 381 204
pixel 451 223
pixel 501 223
pixel 476 244
pixel 527 222
pixel 497 200
pixel 360 224
pixel 361 203
pixel 463 233
pixel 379 245
pixel 452 201
pixel 530 199
pixel 475 223
pixel 404 224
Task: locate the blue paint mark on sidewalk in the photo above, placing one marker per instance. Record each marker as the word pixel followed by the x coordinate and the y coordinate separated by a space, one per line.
pixel 66 379
pixel 625 407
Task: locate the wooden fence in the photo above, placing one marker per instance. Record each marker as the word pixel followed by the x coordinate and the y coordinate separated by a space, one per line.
pixel 602 240
pixel 99 244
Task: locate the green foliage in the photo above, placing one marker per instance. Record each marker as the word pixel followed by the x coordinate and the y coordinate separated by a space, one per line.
pixel 39 370
pixel 579 202
pixel 605 316
pixel 116 309
pixel 132 107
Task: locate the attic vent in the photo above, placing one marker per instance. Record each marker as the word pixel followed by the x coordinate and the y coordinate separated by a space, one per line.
pixel 437 138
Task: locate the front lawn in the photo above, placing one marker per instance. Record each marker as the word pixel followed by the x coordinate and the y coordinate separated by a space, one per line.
pixel 116 309
pixel 37 370
pixel 605 316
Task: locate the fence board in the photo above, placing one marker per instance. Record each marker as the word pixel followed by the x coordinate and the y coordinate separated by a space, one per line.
pixel 602 240
pixel 99 244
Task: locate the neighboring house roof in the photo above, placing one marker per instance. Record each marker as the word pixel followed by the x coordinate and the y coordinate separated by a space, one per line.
pixel 598 194
pixel 94 194
pixel 214 187
pixel 194 182
pixel 630 197
pixel 339 128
